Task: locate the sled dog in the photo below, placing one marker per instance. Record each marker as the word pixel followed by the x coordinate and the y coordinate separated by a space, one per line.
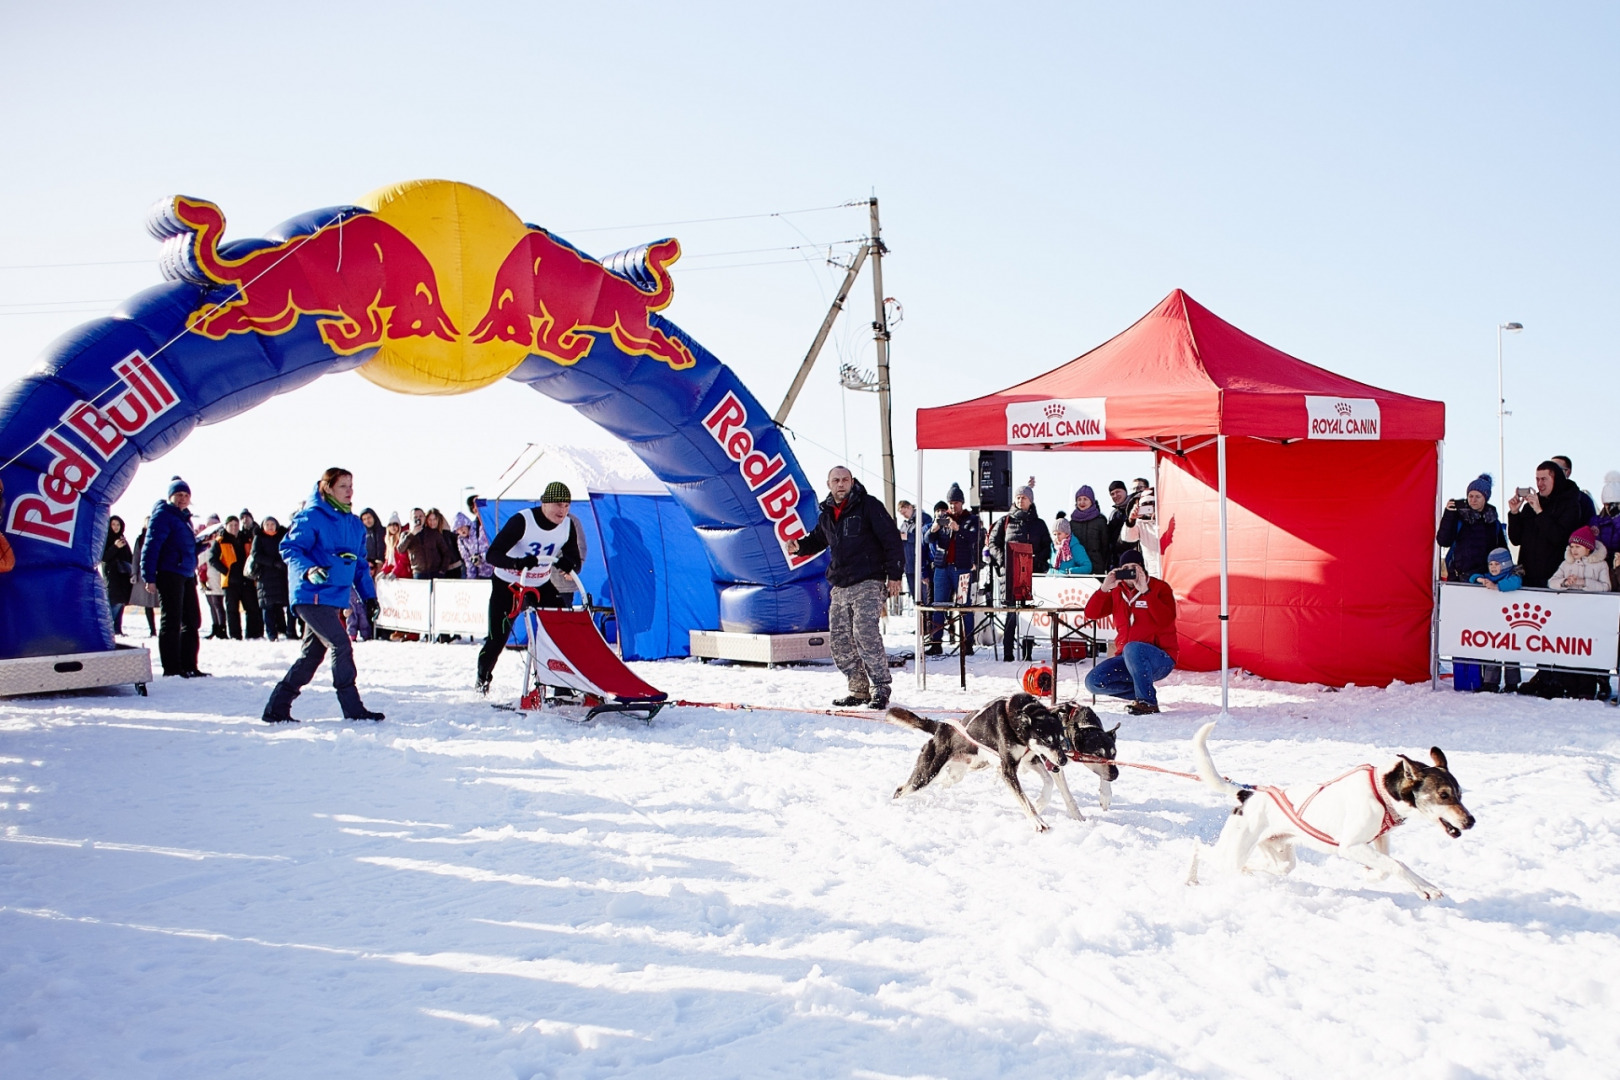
pixel 1349 816
pixel 1086 738
pixel 1009 733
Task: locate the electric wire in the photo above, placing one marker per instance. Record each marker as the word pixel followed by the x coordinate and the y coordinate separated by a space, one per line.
pixel 706 221
pixel 58 266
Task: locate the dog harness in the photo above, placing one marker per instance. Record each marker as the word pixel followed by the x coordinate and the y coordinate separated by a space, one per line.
pixel 1391 819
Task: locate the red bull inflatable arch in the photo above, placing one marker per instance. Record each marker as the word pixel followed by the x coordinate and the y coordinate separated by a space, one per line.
pixel 428 287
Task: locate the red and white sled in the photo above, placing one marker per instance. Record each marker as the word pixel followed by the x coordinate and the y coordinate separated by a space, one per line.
pixel 566 650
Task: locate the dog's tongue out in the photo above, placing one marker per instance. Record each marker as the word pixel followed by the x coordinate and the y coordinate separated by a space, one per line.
pixel 1451 830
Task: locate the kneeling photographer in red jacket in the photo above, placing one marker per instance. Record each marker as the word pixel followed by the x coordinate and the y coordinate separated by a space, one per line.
pixel 1144 613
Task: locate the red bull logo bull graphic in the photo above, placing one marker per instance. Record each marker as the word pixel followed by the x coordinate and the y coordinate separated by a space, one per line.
pixel 778 495
pixel 51 512
pixel 549 297
pixel 369 278
pixel 366 280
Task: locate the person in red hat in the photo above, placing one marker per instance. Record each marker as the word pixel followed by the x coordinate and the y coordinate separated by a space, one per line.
pixel 1586 564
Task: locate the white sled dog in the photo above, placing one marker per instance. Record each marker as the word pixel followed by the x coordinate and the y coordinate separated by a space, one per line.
pixel 1349 816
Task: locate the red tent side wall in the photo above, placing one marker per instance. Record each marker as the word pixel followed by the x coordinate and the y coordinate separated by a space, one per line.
pixel 1330 558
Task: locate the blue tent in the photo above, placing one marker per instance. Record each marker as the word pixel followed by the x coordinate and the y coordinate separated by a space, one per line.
pixel 643 558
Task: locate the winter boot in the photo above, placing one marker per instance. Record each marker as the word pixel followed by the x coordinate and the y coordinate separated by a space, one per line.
pixel 363 713
pixel 880 701
pixel 852 701
pixel 278 710
pixel 1141 708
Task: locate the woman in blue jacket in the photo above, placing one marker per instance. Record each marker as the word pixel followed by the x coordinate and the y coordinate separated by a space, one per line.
pixel 325 550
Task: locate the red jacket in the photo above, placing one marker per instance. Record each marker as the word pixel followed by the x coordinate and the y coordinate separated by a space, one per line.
pixel 1151 617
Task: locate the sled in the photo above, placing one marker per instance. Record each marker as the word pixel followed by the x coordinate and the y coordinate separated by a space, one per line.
pixel 566 653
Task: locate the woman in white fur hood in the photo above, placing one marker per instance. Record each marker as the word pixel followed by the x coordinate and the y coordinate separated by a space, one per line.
pixel 1585 565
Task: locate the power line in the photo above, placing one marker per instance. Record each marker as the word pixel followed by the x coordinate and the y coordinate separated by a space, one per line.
pixel 706 221
pixel 56 266
pixel 57 303
pixel 790 247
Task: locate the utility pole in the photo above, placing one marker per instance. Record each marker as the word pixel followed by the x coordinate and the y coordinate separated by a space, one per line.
pixel 880 333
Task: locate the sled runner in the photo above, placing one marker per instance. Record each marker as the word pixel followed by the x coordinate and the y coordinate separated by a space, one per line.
pixel 566 651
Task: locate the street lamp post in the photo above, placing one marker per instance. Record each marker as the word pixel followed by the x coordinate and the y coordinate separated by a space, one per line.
pixel 1501 400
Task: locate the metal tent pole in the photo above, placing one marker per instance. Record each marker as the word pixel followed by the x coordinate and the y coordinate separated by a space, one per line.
pixel 917 561
pixel 1226 666
pixel 1434 564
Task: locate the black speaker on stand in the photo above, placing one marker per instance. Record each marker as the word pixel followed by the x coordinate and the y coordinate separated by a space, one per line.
pixel 992 472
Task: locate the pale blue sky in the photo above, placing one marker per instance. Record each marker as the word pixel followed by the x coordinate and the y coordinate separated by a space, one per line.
pixel 1372 188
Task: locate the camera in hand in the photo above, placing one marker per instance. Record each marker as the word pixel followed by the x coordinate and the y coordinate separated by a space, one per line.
pixel 1525 493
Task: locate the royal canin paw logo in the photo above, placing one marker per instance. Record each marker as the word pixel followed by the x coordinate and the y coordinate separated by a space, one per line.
pixel 558 665
pixel 1343 408
pixel 1528 615
pixel 1055 409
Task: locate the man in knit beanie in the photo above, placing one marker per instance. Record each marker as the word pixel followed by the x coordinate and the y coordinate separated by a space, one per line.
pixel 529 554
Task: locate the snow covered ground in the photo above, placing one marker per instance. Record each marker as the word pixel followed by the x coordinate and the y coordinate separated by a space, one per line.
pixel 464 892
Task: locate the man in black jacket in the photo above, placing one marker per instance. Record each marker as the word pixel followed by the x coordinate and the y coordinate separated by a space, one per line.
pixel 1541 522
pixel 1123 505
pixel 1022 526
pixel 865 564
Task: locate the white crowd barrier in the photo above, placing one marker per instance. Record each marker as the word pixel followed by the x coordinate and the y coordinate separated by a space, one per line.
pixel 407 605
pixel 461 606
pixel 1537 627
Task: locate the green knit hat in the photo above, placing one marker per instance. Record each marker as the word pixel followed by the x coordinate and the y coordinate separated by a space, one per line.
pixel 556 491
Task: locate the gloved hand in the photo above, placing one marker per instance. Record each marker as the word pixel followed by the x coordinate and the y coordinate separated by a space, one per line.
pixel 316 575
pixel 528 562
pixel 373 609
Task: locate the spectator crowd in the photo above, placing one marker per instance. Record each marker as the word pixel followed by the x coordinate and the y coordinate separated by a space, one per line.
pixel 1554 536
pixel 240 568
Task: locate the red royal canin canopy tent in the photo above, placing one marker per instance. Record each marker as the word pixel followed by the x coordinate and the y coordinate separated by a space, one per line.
pixel 1320 543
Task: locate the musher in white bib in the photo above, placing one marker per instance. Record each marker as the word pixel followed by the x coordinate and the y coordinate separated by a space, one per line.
pixel 537 549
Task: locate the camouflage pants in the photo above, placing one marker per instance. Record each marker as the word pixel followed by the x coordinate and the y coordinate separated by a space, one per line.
pixel 857 643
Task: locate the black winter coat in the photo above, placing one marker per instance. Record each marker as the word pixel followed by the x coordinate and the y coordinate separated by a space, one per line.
pixel 118 568
pixel 862 542
pixel 1542 537
pixel 269 568
pixel 1025 527
pixel 1469 536
pixel 1116 525
pixel 1097 536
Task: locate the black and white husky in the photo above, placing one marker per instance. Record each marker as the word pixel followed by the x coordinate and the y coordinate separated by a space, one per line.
pixel 1349 816
pixel 1012 733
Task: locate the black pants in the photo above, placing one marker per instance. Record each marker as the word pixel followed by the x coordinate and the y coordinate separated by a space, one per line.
pixel 177 632
pixel 323 630
pixel 239 596
pixel 254 617
pixel 275 619
pixel 500 622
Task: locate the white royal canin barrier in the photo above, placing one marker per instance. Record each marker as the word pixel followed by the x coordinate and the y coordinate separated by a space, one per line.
pixel 461 606
pixel 407 605
pixel 1540 627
